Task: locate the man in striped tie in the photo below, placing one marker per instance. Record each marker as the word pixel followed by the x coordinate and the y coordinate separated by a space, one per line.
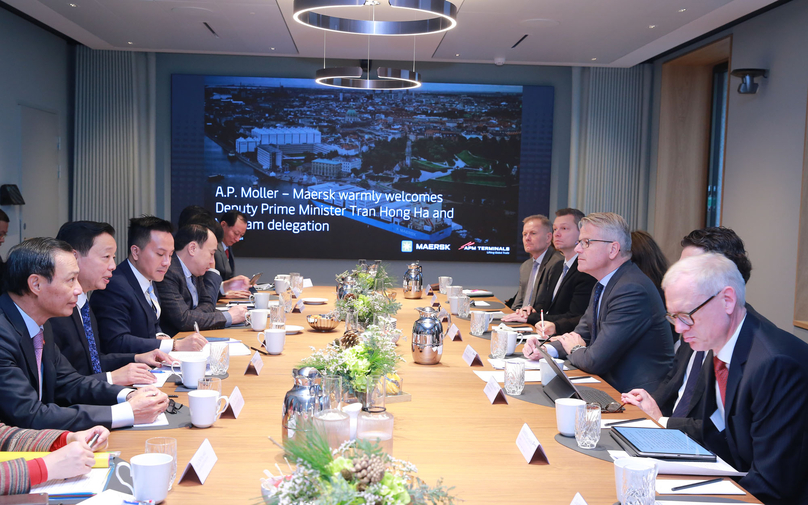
pixel 77 335
pixel 755 414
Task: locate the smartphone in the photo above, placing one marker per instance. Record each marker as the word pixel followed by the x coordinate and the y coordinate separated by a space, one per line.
pixel 255 278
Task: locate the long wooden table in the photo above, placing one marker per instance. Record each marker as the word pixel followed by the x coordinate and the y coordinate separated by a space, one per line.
pixel 448 430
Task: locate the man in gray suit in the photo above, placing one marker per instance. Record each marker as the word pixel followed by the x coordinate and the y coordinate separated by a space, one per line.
pixel 537 237
pixel 183 295
pixel 623 336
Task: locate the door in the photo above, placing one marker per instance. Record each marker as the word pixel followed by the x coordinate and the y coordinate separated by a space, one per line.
pixel 39 184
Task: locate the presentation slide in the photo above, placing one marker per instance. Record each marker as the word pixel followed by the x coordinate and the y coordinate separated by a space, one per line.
pixel 442 172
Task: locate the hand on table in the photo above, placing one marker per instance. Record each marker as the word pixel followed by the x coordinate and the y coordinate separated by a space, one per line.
pixel 237 287
pixel 153 358
pixel 569 340
pixel 531 349
pixel 642 399
pixel 72 460
pixel 516 317
pixel 87 435
pixel 147 403
pixel 133 373
pixel 238 313
pixel 193 342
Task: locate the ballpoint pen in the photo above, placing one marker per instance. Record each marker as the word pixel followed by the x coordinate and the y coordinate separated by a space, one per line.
pixel 259 350
pixel 697 484
pixel 93 440
pixel 196 327
pixel 624 421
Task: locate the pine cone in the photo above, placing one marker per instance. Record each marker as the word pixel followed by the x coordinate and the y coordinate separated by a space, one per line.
pixel 367 471
pixel 349 339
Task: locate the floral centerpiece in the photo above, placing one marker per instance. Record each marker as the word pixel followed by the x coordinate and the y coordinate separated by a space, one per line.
pixel 367 295
pixel 358 472
pixel 356 358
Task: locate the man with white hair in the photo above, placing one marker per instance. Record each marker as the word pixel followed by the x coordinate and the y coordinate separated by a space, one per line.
pixel 755 413
pixel 623 335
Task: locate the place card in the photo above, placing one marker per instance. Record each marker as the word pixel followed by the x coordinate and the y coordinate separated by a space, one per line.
pixel 435 300
pixel 494 392
pixel 307 283
pixel 530 447
pixel 444 315
pixel 299 305
pixel 297 292
pixel 471 357
pixel 578 500
pixel 201 464
pixel 453 333
pixel 255 365
pixel 235 405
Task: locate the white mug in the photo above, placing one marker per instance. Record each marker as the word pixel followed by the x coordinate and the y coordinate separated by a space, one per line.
pixel 566 412
pixel 206 407
pixel 273 339
pixel 150 474
pixel 454 290
pixel 260 299
pixel 546 371
pixel 257 318
pixel 514 339
pixel 281 285
pixel 192 369
pixel 453 304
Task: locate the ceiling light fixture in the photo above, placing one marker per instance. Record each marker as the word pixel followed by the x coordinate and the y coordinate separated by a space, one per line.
pixel 73 5
pixel 444 17
pixel 594 59
pixel 351 78
pixel 651 26
pixel 682 10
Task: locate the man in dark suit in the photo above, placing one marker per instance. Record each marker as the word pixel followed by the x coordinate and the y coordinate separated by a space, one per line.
pixel 565 295
pixel 755 413
pixel 77 335
pixel 623 335
pixel 537 237
pixel 3 232
pixel 128 311
pixel 185 301
pixel 40 388
pixel 234 226
pixel 678 401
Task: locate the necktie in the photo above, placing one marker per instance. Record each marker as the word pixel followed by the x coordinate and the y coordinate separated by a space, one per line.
pixel 88 333
pixel 530 285
pixel 721 374
pixel 684 403
pixel 596 312
pixel 560 279
pixel 39 343
pixel 153 298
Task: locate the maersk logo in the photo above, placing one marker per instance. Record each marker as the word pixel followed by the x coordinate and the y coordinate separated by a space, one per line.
pixel 406 246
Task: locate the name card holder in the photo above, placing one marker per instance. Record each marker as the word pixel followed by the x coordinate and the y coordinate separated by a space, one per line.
pixel 435 302
pixel 494 392
pixel 255 365
pixel 530 447
pixel 453 333
pixel 235 405
pixel 471 357
pixel 578 500
pixel 307 283
pixel 299 305
pixel 200 465
pixel 297 292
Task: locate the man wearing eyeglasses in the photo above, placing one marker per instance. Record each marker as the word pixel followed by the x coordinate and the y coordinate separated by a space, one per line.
pixel 755 413
pixel 623 335
pixel 234 225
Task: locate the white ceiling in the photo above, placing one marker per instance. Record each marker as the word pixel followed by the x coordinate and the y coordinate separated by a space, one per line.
pixel 616 33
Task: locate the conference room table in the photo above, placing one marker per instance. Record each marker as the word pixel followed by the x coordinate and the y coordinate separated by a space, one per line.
pixel 449 429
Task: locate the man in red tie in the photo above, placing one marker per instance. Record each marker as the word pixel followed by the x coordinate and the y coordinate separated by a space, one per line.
pixel 756 411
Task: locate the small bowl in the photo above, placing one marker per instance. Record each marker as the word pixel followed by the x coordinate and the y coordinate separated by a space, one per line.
pixel 322 322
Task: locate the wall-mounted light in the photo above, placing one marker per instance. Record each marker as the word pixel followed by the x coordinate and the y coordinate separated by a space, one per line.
pixel 748 85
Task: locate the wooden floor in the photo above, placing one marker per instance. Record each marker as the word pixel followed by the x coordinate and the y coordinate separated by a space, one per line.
pixel 448 430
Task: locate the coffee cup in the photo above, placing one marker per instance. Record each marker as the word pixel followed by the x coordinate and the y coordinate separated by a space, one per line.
pixel 454 290
pixel 514 339
pixel 453 304
pixel 192 369
pixel 260 299
pixel 150 475
pixel 206 407
pixel 546 371
pixel 257 318
pixel 273 339
pixel 566 413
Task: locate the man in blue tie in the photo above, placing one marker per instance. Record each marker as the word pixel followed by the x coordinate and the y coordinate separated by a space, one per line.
pixel 185 300
pixel 77 335
pixel 623 336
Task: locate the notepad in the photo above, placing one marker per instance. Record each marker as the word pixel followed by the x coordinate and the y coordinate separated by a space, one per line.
pixel 101 458
pixel 89 484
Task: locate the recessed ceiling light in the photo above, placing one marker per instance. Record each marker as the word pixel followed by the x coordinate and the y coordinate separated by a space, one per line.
pixel 594 59
pixel 272 48
pixel 682 10
pixel 458 54
pixel 651 26
pixel 130 43
pixel 73 5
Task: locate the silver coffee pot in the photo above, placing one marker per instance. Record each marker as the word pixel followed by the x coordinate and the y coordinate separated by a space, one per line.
pixel 301 402
pixel 413 281
pixel 427 337
pixel 345 285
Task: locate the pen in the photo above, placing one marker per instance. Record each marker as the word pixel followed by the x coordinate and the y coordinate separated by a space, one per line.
pixel 542 321
pixel 624 421
pixel 580 377
pixel 93 440
pixel 196 327
pixel 697 484
pixel 173 396
pixel 259 350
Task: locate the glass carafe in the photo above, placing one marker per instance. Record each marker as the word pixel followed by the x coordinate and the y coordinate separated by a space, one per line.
pixel 374 423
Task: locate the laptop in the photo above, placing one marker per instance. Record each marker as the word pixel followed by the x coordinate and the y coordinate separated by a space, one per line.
pixel 563 387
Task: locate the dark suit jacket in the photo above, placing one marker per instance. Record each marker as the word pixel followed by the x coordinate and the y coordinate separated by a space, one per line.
pixel 551 257
pixel 69 337
pixel 634 347
pixel 177 304
pixel 213 282
pixel 570 302
pixel 126 321
pixel 226 267
pixel 70 401
pixel 766 413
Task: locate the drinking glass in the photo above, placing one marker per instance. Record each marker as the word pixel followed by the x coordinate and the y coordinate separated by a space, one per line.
pixel 334 423
pixel 514 376
pixel 463 306
pixel 277 316
pixel 499 344
pixel 587 426
pixel 210 383
pixel 479 322
pixel 165 445
pixel 374 423
pixel 443 282
pixel 639 483
pixel 286 299
pixel 219 358
pixel 296 282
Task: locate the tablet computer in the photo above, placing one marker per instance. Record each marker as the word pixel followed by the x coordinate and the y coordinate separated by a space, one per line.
pixel 660 443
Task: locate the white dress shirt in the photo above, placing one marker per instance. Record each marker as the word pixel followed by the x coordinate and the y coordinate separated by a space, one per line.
pixel 166 345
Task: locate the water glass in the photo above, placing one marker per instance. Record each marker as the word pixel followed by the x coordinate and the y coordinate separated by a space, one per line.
pixel 296 282
pixel 463 306
pixel 165 445
pixel 443 282
pixel 499 344
pixel 286 299
pixel 211 384
pixel 479 322
pixel 587 426
pixel 639 482
pixel 514 376
pixel 219 358
pixel 329 417
pixel 277 316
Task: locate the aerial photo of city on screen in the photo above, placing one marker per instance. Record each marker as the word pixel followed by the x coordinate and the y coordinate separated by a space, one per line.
pixel 432 173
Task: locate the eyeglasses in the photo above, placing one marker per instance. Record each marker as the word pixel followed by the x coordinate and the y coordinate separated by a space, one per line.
pixel 173 407
pixel 586 242
pixel 612 408
pixel 687 317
